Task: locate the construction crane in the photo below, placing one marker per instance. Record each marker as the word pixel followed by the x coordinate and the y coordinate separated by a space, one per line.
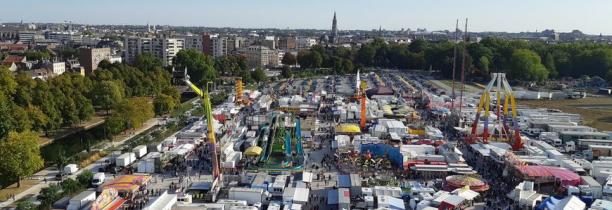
pixel 211 128
pixel 504 91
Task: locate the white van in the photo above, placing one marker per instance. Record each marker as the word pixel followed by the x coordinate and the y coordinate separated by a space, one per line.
pixel 70 169
pixel 98 179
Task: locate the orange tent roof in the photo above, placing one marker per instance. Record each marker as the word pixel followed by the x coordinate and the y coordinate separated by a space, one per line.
pixel 128 183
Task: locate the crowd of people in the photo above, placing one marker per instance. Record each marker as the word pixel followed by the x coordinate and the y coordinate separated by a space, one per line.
pixel 493 173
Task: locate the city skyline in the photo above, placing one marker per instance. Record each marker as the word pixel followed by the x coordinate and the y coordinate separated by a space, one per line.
pixel 516 16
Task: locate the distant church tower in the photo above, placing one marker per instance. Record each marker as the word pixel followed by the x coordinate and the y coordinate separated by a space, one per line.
pixel 334 35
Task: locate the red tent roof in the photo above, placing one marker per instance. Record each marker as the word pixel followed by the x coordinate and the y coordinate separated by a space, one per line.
pixel 566 176
pixel 12 59
pixel 220 117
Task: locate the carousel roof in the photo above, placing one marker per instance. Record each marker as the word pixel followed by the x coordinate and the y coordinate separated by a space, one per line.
pixel 253 151
pixel 348 128
pixel 459 181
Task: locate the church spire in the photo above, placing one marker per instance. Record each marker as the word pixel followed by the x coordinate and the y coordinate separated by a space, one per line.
pixel 334 34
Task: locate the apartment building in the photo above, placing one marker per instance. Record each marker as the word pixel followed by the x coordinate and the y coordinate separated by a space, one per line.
pixel 162 48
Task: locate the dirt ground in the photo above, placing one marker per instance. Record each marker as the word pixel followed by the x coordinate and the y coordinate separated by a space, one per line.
pixel 595 112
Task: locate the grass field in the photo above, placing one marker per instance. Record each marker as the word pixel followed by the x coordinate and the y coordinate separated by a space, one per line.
pixel 468 86
pixel 596 112
pixel 6 193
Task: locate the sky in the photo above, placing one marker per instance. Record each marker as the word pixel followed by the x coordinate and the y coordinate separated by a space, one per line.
pixel 589 16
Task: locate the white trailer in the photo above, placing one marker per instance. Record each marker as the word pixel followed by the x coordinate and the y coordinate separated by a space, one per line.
pixel 250 195
pixel 595 187
pixel 125 159
pixel 81 200
pixel 140 151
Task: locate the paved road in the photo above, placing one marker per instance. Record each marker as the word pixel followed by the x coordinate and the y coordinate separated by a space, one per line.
pixel 320 187
pixel 49 173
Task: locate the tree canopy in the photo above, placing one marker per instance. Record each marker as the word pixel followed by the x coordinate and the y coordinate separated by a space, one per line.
pixel 523 60
pixel 20 155
pixel 200 67
pixel 289 59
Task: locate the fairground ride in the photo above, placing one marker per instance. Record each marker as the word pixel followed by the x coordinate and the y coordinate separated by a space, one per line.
pixel 503 133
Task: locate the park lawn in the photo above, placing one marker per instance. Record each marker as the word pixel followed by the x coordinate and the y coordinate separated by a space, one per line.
pixel 600 118
pixel 468 86
pixel 14 190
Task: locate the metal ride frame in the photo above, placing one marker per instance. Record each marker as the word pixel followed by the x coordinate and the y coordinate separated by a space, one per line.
pixel 205 96
pixel 504 91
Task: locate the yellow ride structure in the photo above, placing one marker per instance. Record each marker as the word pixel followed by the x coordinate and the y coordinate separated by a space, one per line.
pixel 504 91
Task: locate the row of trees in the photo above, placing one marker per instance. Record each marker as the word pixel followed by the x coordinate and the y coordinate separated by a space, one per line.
pixel 130 95
pixel 202 68
pixel 523 60
pixel 340 59
pixel 38 105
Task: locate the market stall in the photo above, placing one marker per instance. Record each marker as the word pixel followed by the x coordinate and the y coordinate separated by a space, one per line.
pixel 541 174
pixel 126 185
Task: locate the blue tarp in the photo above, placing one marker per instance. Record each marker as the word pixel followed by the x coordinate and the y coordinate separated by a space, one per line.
pixel 344 181
pixel 332 197
pixel 384 149
pixel 554 201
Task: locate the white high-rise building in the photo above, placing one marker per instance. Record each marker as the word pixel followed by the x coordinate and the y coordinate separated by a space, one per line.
pixel 224 45
pixel 192 41
pixel 257 56
pixel 219 46
pixel 162 48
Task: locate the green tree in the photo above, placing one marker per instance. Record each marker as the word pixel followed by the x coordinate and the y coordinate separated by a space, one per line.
pixel 61 160
pixel 115 123
pixel 22 121
pixel 33 55
pixel 549 63
pixel 7 81
pixel 289 59
pixel 218 98
pixel 148 62
pixel 259 75
pixel 526 64
pixel 303 59
pixel 199 66
pixel 285 72
pixel 135 111
pixel 365 55
pixel 49 195
pixel 483 65
pixel 347 66
pixel 37 117
pixel 418 45
pixel 7 123
pixel 107 94
pixel 20 155
pixel 24 89
pixel 26 205
pixel 229 65
pixel 163 104
pixel 85 178
pixel 70 186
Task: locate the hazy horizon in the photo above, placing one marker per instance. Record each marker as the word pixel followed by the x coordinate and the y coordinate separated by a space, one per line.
pixel 515 16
